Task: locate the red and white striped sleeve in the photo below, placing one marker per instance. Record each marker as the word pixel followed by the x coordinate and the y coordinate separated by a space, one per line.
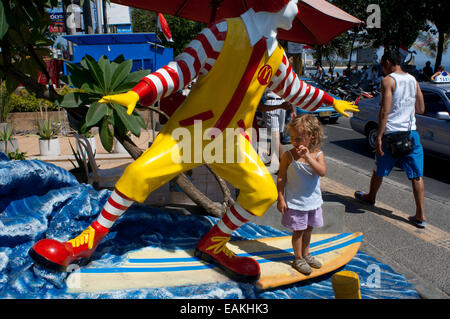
pixel 288 86
pixel 196 60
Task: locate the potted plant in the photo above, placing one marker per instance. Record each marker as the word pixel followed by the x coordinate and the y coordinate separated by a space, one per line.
pixel 118 147
pixel 90 137
pixel 48 140
pixel 7 142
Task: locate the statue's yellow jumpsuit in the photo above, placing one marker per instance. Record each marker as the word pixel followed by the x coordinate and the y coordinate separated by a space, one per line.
pixel 227 97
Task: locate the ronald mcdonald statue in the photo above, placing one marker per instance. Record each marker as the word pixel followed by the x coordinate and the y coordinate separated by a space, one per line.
pixel 234 61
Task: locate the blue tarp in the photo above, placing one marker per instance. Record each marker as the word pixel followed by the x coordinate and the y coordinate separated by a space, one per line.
pixel 112 38
pixel 39 200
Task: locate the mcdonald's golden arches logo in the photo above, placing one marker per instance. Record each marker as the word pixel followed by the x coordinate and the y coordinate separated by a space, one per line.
pixel 265 74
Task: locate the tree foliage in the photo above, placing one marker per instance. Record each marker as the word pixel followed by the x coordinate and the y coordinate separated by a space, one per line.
pixel 339 47
pixel 183 31
pixel 401 21
pixel 25 40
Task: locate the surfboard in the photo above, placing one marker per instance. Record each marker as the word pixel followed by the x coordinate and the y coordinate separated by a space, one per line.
pixel 155 267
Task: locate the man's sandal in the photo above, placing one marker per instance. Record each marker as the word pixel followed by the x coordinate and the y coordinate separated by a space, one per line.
pixel 360 196
pixel 416 222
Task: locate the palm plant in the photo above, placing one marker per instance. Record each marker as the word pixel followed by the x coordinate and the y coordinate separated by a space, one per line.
pixel 7 141
pixel 96 79
pixel 46 129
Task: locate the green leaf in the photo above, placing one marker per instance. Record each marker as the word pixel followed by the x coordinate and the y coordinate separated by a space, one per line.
pixel 96 112
pixel 119 127
pixel 137 75
pixel 121 73
pixel 95 70
pixel 138 118
pixel 106 135
pixel 4 26
pixel 11 85
pixel 129 122
pixel 131 80
pixel 106 68
pixel 78 75
pixel 91 87
pixel 74 99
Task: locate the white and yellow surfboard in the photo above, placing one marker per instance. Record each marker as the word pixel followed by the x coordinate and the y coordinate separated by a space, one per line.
pixel 155 267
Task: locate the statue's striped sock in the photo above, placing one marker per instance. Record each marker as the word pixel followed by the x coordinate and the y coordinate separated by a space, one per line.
pixel 235 217
pixel 116 205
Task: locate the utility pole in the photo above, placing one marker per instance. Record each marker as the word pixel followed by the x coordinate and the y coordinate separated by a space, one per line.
pixel 87 15
pixel 98 9
pixel 69 24
pixel 105 17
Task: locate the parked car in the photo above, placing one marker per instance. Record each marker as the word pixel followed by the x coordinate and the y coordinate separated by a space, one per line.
pixel 324 112
pixel 433 126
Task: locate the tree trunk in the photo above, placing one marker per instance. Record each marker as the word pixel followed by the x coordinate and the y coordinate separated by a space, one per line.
pixel 440 50
pixel 212 208
pixel 105 18
pixel 351 49
pixel 227 198
pixel 87 17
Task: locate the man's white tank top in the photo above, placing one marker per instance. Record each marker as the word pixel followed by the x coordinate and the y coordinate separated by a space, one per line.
pixel 401 117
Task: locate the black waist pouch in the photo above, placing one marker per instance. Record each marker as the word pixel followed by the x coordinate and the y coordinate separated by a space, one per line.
pixel 399 144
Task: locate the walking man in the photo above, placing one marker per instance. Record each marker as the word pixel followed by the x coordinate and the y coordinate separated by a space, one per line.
pixel 401 98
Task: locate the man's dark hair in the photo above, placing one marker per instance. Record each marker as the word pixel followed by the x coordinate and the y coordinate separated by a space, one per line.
pixel 392 56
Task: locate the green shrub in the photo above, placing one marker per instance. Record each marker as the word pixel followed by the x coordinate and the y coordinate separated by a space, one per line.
pixel 18 156
pixel 22 101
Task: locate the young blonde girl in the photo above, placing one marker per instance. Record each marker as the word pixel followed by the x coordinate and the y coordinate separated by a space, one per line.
pixel 298 183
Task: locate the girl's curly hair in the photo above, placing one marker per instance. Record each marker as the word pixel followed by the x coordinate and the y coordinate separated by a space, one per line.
pixel 310 124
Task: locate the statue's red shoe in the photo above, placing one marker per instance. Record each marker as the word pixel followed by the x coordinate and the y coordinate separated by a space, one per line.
pixel 212 248
pixel 55 254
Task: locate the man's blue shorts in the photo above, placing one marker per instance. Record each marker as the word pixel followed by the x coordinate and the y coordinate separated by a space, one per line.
pixel 412 163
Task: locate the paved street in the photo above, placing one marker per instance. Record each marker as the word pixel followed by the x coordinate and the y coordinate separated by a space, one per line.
pixel 421 255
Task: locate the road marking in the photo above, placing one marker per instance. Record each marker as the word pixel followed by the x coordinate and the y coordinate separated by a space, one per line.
pixel 430 234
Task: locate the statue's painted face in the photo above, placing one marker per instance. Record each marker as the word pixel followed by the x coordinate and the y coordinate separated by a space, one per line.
pixel 287 15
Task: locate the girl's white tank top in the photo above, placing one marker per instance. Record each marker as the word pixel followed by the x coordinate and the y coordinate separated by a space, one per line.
pixel 302 189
